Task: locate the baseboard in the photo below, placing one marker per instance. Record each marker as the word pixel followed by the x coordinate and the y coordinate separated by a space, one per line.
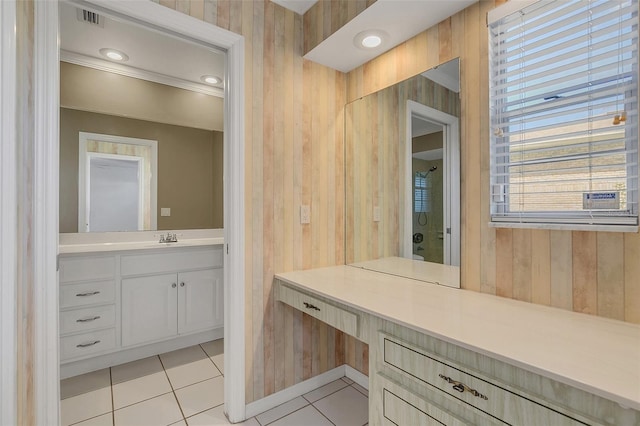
pixel 122 356
pixel 356 376
pixel 278 398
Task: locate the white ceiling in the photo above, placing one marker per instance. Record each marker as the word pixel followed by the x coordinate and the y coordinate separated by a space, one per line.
pixel 159 57
pixel 446 75
pixel 421 127
pixel 400 19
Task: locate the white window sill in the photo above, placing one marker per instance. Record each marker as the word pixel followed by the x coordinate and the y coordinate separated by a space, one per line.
pixel 566 226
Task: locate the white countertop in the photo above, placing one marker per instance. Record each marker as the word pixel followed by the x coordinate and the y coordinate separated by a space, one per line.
pixel 147 240
pixel 595 354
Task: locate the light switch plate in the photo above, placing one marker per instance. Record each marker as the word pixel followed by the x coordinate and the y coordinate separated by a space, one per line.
pixel 165 211
pixel 305 214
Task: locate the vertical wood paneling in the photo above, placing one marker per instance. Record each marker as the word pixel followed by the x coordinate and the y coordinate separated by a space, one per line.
pixel 561 265
pixel 521 247
pixel 504 262
pixel 610 269
pixel 585 293
pixel 540 267
pixel 632 278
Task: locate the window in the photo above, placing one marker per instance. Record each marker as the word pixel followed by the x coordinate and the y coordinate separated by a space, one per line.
pixel 422 193
pixel 564 119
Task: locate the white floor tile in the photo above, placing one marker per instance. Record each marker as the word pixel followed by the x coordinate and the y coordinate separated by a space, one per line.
pixel 325 390
pixel 161 410
pixel 85 406
pixel 193 372
pixel 347 407
pixel 307 416
pixel 183 356
pixel 218 360
pixel 180 423
pixel 140 389
pixel 201 396
pixel 84 383
pixel 215 347
pixel 103 420
pixel 281 410
pixel 361 389
pixel 212 417
pixel 133 370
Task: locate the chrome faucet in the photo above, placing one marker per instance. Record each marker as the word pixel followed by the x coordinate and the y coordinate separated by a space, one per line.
pixel 169 238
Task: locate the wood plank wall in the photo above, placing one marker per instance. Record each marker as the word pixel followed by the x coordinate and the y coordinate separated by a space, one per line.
pixel 375 139
pixel 294 155
pixel 326 17
pixel 596 273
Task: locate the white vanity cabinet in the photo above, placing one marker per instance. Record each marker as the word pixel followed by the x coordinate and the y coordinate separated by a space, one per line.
pixel 87 295
pixel 120 306
pixel 180 292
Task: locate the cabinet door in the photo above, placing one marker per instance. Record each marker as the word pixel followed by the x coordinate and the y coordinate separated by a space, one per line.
pixel 149 308
pixel 200 300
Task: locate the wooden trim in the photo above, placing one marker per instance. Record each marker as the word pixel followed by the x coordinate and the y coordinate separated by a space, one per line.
pixel 8 216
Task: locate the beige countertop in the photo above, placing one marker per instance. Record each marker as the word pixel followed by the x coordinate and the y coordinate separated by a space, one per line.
pixel 595 354
pixel 146 240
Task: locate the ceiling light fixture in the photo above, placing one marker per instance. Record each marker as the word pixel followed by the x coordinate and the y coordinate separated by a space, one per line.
pixel 211 79
pixel 114 55
pixel 370 39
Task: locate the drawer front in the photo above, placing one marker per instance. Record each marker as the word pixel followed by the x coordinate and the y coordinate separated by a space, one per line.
pixel 332 315
pixel 87 344
pixel 86 294
pixel 171 261
pixel 74 269
pixel 87 319
pixel 482 394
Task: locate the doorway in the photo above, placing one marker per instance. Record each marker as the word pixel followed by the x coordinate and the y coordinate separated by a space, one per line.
pixel 46 83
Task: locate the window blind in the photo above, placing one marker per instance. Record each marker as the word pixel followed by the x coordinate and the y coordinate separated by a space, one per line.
pixel 564 113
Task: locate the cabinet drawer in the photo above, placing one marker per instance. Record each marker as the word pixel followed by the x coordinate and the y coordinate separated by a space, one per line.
pixel 86 293
pixel 87 319
pixel 87 268
pixel 171 261
pixel 332 315
pixel 450 378
pixel 87 344
pixel 402 407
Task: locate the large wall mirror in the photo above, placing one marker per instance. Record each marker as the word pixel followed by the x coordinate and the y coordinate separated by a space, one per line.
pixel 141 139
pixel 402 152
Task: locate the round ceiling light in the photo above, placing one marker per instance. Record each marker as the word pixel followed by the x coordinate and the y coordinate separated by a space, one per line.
pixel 114 55
pixel 211 79
pixel 370 39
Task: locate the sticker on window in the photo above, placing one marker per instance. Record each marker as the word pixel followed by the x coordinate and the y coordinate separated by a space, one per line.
pixel 601 200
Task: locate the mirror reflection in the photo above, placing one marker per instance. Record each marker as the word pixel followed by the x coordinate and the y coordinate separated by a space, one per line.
pixel 141 139
pixel 402 171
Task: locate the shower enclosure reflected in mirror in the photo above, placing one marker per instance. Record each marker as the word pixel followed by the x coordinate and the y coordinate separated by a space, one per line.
pixel 386 196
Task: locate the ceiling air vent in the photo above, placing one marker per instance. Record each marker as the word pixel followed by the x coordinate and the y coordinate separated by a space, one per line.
pixel 90 18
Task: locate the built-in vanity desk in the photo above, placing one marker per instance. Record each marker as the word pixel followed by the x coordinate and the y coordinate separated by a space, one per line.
pixel 124 300
pixel 441 355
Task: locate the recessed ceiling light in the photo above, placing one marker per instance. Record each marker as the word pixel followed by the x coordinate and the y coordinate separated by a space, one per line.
pixel 211 79
pixel 370 39
pixel 114 55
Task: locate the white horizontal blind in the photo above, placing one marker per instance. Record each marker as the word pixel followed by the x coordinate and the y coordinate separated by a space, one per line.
pixel 564 113
pixel 422 193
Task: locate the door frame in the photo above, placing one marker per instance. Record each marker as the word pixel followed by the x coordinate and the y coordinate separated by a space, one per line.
pixel 46 188
pixel 451 180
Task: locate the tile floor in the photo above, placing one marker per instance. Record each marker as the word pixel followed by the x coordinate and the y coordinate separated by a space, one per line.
pixel 185 387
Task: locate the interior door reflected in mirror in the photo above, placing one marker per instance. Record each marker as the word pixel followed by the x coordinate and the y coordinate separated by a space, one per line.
pixel 402 154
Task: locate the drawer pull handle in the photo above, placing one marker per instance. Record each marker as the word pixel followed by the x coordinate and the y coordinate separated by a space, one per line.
pixel 310 306
pixel 461 387
pixel 86 345
pixel 88 319
pixel 88 293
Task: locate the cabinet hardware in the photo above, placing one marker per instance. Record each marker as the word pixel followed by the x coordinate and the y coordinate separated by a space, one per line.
pixel 174 285
pixel 88 319
pixel 461 387
pixel 310 306
pixel 181 284
pixel 88 293
pixel 86 345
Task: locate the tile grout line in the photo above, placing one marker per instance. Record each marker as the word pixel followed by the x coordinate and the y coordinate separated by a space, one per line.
pixel 280 418
pixel 173 390
pixel 322 414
